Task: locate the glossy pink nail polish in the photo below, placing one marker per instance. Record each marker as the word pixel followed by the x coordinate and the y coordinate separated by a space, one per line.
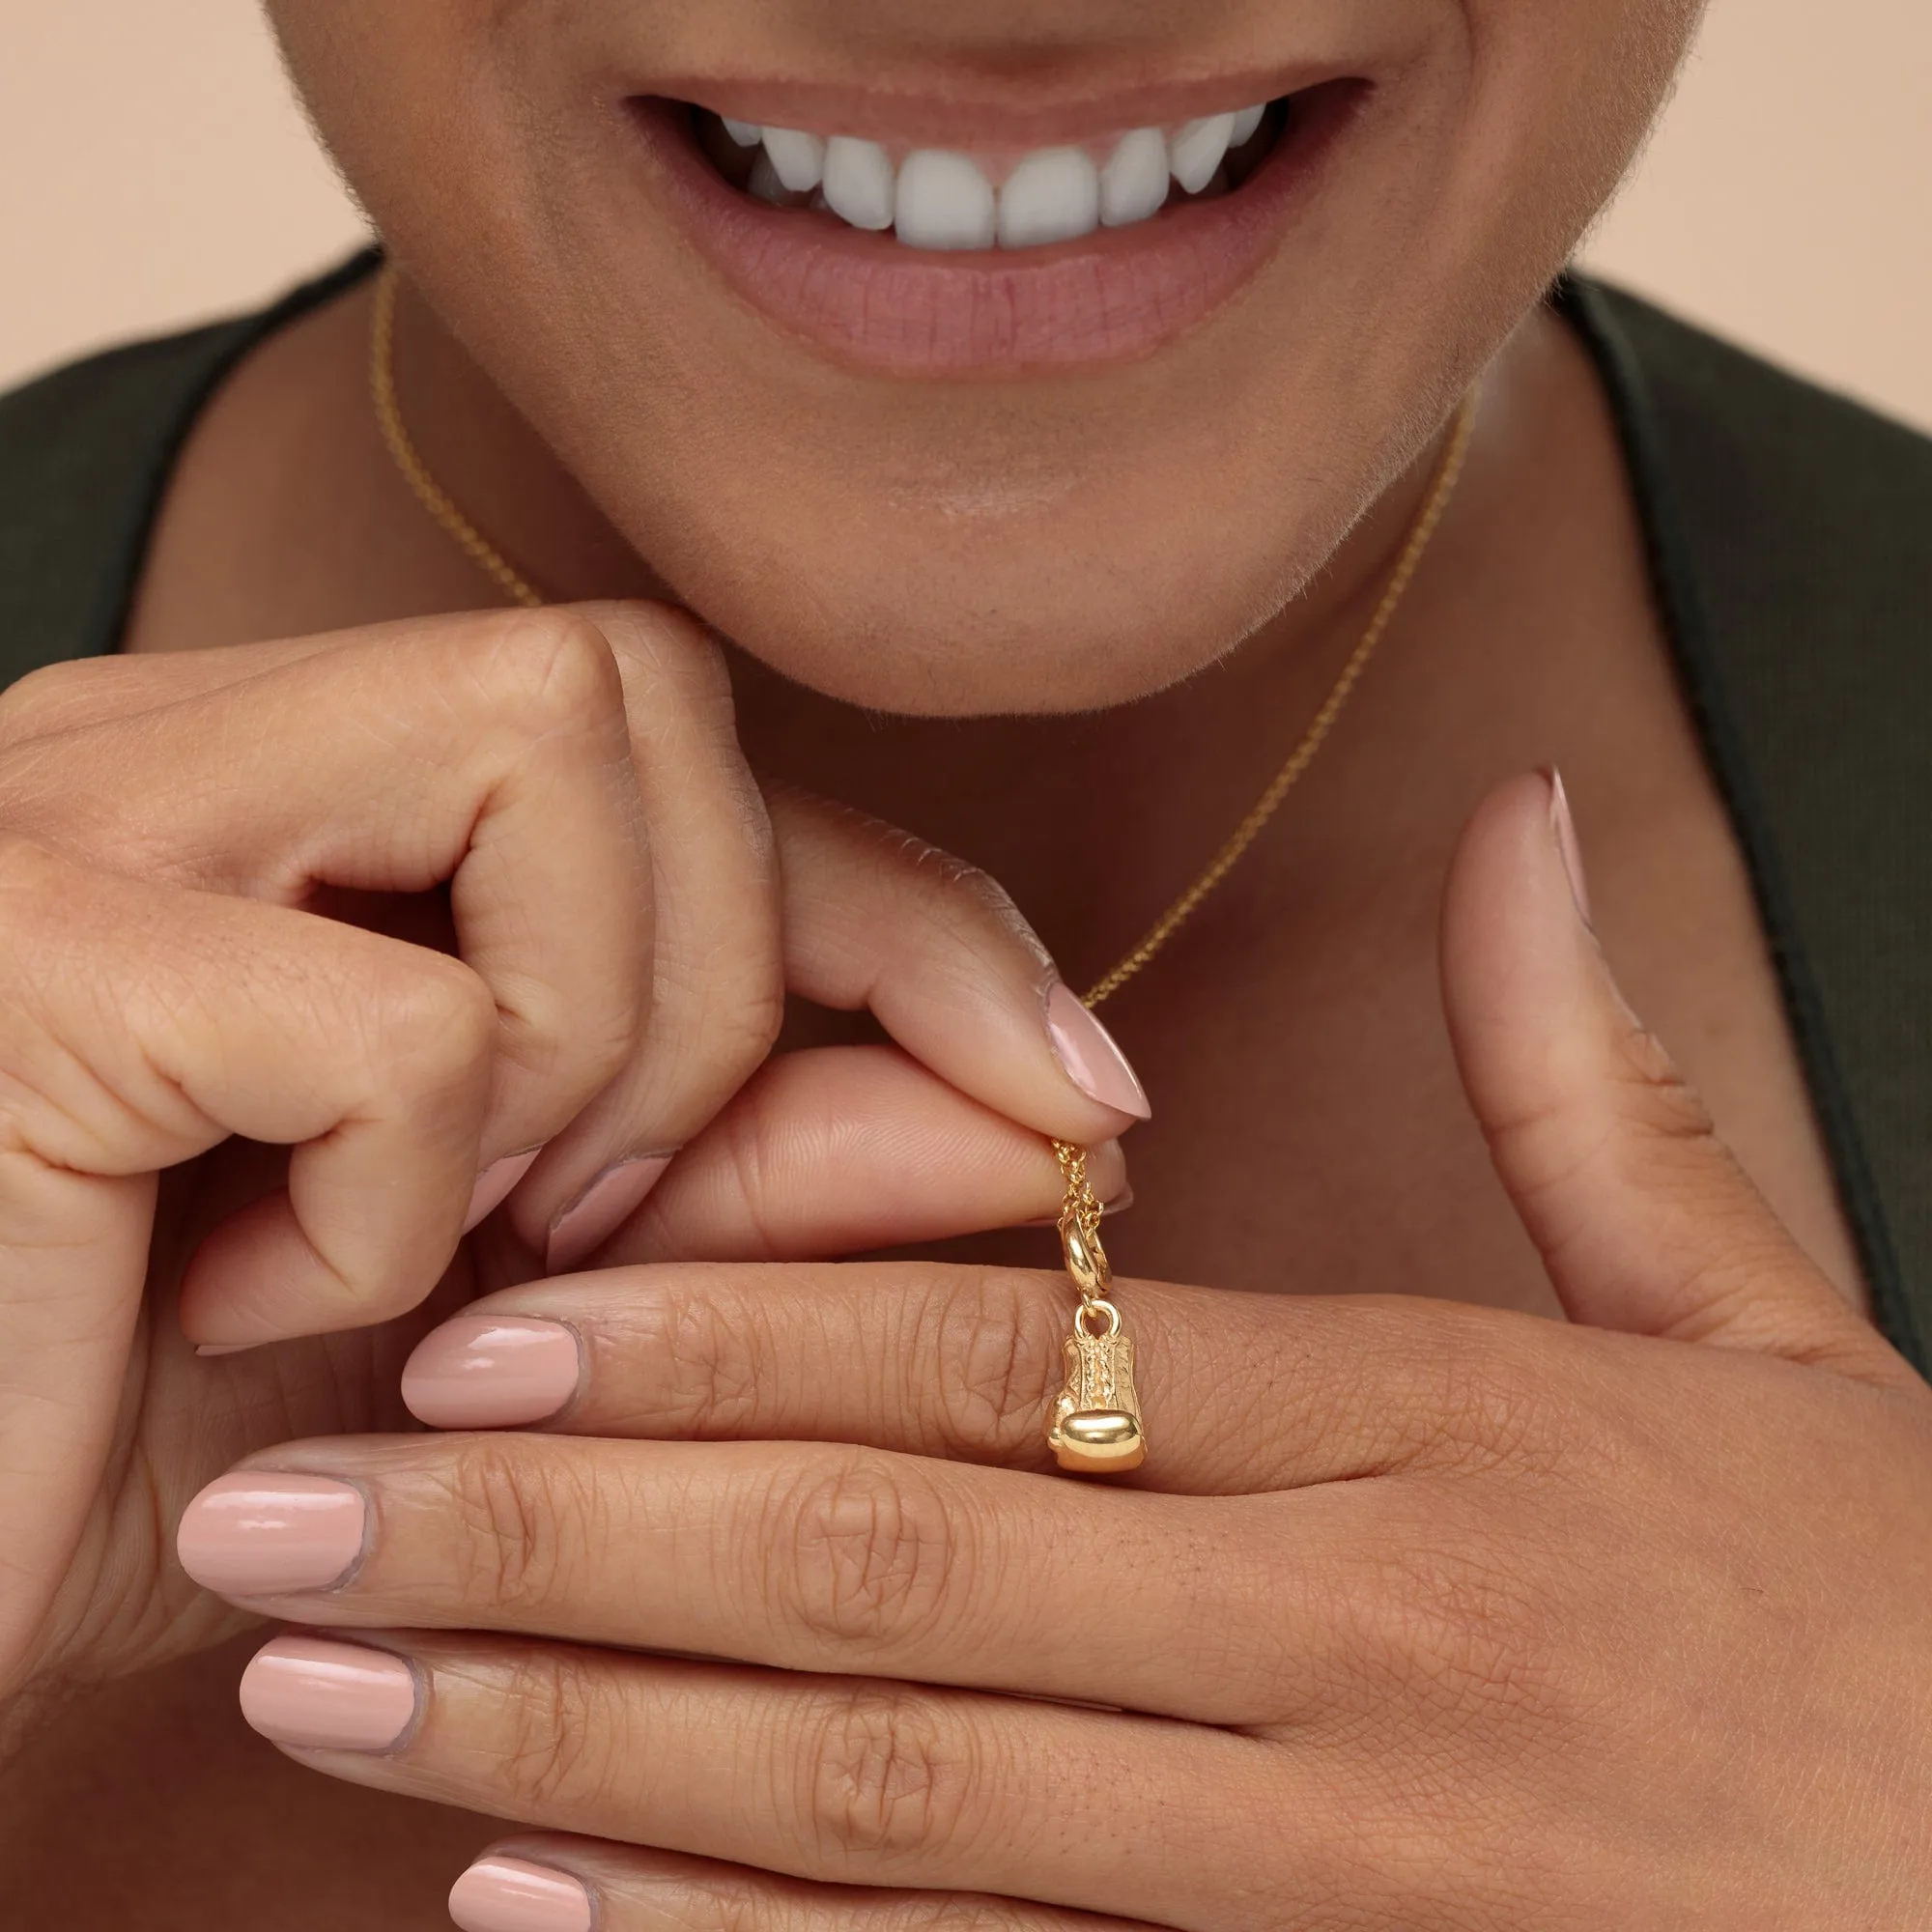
pixel 504 1894
pixel 495 1184
pixel 600 1209
pixel 1085 1049
pixel 320 1695
pixel 491 1372
pixel 1563 828
pixel 267 1533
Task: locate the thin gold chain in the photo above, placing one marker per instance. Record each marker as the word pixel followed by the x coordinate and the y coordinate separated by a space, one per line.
pixel 1083 1205
pixel 429 492
pixel 434 498
pixel 1421 532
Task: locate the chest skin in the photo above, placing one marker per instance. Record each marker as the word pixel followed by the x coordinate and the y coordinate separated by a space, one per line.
pixel 1309 1134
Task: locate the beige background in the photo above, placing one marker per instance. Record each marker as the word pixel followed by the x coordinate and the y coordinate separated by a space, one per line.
pixel 154 169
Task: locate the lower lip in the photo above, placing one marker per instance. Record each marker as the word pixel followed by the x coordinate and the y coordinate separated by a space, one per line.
pixel 1110 296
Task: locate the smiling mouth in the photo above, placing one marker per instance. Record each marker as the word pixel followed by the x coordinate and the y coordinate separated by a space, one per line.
pixel 950 200
pixel 975 257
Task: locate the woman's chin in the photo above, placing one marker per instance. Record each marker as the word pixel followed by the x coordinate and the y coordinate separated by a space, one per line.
pixel 947 650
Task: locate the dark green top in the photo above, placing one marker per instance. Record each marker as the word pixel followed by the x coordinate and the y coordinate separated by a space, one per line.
pixel 1789 535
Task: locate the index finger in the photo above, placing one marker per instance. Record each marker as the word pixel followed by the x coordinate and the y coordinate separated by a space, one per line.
pixel 965 1363
pixel 943 958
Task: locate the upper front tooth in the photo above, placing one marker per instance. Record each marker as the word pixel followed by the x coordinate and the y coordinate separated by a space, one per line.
pixel 747 134
pixel 1246 122
pixel 945 201
pixel 1053 196
pixel 859 182
pixel 1198 149
pixel 798 157
pixel 1133 184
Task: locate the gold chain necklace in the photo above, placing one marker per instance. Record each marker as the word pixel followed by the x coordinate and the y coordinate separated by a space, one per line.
pixel 1095 1425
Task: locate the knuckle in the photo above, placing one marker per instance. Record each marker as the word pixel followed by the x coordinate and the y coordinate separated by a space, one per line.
pixel 526 1521
pixel 434 1029
pixel 549 671
pixel 711 1384
pixel 1658 1099
pixel 887 1779
pixel 437 1020
pixel 995 1348
pixel 1450 1626
pixel 1497 1407
pixel 568 1735
pixel 868 1555
pixel 670 648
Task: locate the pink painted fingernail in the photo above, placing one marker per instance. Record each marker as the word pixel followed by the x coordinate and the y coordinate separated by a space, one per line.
pixel 600 1209
pixel 319 1695
pixel 1085 1049
pixel 491 1372
pixel 266 1533
pixel 1563 828
pixel 499 1894
pixel 494 1186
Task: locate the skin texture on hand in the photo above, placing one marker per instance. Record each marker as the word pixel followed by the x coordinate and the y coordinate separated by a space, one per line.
pixel 1488 1607
pixel 352 986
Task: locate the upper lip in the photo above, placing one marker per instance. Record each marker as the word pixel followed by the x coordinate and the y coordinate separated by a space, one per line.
pixel 972 112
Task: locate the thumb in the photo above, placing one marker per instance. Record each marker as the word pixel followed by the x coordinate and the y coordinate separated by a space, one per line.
pixel 1644 1217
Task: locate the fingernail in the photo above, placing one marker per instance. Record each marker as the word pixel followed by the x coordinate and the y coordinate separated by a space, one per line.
pixel 491 1372
pixel 600 1209
pixel 212 1351
pixel 319 1695
pixel 499 1894
pixel 1085 1049
pixel 1563 828
pixel 266 1533
pixel 494 1186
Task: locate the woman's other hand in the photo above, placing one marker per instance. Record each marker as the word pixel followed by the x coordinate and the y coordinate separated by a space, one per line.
pixel 313 953
pixel 1419 1616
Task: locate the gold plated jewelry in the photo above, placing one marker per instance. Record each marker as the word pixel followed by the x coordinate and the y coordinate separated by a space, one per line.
pixel 415 473
pixel 1095 1424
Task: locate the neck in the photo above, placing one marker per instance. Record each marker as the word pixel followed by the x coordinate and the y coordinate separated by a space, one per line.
pixel 1093 822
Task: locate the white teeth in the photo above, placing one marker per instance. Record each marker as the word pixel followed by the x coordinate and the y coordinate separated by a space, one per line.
pixel 1246 124
pixel 1198 149
pixel 945 201
pixel 940 199
pixel 859 182
pixel 1051 196
pixel 1133 184
pixel 800 158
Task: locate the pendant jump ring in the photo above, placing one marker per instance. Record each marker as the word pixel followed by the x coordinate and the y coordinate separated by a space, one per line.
pixel 1109 1315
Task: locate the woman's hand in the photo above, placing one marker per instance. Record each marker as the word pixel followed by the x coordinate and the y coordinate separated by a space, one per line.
pixel 1419 1616
pixel 356 935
